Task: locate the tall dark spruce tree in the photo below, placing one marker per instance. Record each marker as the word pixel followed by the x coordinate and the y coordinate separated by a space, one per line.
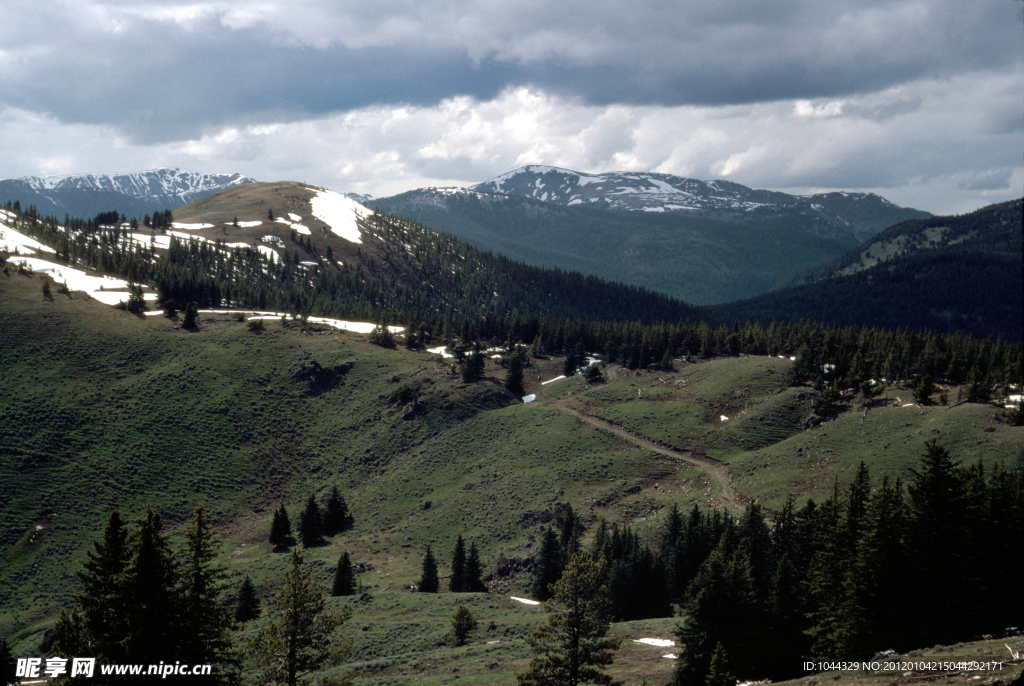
pixel 456 583
pixel 207 621
pixel 548 567
pixel 939 544
pixel 336 514
pixel 429 582
pixel 97 624
pixel 471 580
pixel 281 528
pixel 248 607
pixel 154 611
pixel 344 577
pixel 143 603
pixel 311 524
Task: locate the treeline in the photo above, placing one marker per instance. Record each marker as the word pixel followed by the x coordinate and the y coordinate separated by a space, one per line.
pixel 443 290
pixel 898 566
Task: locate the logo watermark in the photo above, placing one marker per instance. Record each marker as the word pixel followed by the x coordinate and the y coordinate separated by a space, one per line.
pixel 53 667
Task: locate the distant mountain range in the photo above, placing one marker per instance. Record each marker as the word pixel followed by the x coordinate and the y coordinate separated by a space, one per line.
pixel 864 213
pixel 704 242
pixel 133 195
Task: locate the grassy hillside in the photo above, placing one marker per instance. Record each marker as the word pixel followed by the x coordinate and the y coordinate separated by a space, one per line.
pixel 104 409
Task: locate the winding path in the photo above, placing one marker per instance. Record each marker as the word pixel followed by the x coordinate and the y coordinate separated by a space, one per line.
pixel 717 471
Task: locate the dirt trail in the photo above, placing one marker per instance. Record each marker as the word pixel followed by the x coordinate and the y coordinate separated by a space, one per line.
pixel 718 471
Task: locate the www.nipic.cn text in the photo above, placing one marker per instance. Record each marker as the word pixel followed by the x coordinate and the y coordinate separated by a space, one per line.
pixel 52 667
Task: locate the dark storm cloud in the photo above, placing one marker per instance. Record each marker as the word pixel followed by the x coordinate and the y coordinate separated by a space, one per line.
pixel 166 72
pixel 989 181
pixel 157 93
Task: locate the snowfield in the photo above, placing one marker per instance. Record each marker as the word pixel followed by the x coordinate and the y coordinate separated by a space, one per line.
pixel 339 213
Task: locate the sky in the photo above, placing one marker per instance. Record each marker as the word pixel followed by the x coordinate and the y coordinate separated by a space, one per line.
pixel 920 101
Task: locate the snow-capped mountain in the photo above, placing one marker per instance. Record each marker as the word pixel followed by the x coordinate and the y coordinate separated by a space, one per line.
pixel 864 213
pixel 137 194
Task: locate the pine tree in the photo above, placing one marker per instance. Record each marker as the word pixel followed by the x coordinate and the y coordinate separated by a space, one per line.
pixel 191 314
pixel 205 631
pixel 311 524
pixel 101 613
pixel 877 589
pixel 463 624
pixel 472 583
pixel 8 667
pixel 939 544
pixel 473 367
pixel 721 591
pixel 381 335
pixel 514 380
pixel 248 603
pixel 571 647
pixel 154 607
pixel 718 673
pixel 455 584
pixel 429 582
pixel 297 639
pixel 826 577
pixel 281 528
pixel 548 568
pixel 335 512
pixel 344 577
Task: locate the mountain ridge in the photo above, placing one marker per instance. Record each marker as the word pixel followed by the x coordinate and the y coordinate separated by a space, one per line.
pixel 865 213
pixel 132 194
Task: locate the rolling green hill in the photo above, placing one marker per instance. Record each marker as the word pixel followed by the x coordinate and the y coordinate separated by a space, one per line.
pixel 105 409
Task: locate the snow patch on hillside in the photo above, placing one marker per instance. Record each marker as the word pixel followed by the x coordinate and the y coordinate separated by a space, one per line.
pixel 341 324
pixel 102 288
pixel 660 642
pixel 14 241
pixel 298 228
pixel 340 213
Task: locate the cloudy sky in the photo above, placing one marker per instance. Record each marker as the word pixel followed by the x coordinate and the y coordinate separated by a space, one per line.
pixel 921 101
